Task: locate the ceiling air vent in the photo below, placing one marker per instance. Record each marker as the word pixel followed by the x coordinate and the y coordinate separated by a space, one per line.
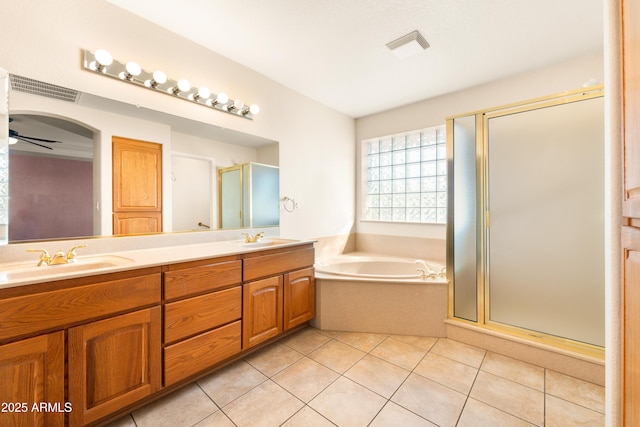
pixel 36 87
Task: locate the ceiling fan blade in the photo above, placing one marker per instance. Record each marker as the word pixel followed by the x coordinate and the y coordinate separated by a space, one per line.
pixel 34 143
pixel 15 134
pixel 40 139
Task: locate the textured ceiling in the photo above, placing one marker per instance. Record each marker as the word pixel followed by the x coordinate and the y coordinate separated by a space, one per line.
pixel 334 51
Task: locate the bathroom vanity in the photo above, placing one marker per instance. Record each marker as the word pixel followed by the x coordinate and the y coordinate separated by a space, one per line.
pixel 83 348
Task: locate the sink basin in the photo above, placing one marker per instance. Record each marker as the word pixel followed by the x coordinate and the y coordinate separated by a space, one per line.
pixel 28 270
pixel 266 241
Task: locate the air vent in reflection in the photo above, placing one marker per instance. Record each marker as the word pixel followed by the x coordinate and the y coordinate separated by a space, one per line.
pixel 48 90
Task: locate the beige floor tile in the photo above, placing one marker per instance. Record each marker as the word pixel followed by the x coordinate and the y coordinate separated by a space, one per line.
pixel 273 359
pixel 126 421
pixel 185 407
pixel 394 415
pixel 432 401
pixel 574 390
pixel 265 406
pixel 514 370
pixel 424 343
pixel 445 371
pixel 516 399
pixel 348 404
pixel 306 340
pixel 361 340
pixel 561 413
pixel 337 356
pixel 305 378
pixel 377 375
pixel 478 414
pixel 399 353
pixel 307 417
pixel 231 382
pixel 218 419
pixel 459 352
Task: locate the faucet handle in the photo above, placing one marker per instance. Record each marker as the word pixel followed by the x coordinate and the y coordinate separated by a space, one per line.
pixel 71 255
pixel 248 238
pixel 45 258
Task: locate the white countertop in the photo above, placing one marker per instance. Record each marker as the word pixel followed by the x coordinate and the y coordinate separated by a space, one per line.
pixel 23 273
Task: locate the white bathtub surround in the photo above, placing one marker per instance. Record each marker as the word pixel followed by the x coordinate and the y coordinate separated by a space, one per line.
pixel 327 246
pixel 364 265
pixel 378 302
pixel 403 246
pixel 394 245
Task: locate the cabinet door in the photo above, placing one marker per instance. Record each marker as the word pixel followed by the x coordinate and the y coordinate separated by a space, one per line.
pixel 631 353
pixel 261 311
pixel 31 372
pixel 631 102
pixel 113 363
pixel 631 210
pixel 299 297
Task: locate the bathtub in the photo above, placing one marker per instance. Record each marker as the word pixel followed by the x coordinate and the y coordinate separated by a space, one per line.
pixel 371 266
pixel 375 293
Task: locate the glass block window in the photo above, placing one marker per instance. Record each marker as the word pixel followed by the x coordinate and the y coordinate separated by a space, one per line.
pixel 406 177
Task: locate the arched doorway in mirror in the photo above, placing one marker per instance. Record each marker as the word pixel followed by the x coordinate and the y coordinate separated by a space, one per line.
pixel 51 178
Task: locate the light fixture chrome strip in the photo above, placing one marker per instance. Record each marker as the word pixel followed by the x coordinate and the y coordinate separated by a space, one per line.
pixel 101 62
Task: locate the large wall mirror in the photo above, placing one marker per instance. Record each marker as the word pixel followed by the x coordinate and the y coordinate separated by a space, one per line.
pixel 54 177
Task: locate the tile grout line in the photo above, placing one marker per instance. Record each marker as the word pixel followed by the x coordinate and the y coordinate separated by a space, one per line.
pixel 475 378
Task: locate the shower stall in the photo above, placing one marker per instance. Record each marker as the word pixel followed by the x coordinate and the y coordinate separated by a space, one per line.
pixel 525 233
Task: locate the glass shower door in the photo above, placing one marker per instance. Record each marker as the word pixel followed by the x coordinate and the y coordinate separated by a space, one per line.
pixel 545 225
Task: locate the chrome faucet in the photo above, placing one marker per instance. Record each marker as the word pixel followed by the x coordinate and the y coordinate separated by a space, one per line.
pixel 58 258
pixel 426 272
pixel 253 239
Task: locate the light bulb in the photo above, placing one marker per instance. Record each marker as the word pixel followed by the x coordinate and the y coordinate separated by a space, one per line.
pixel 254 109
pixel 222 98
pixel 184 85
pixel 204 92
pixel 238 104
pixel 133 68
pixel 159 77
pixel 103 57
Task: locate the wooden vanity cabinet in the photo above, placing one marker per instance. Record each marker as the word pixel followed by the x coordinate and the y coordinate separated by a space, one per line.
pixel 202 316
pixel 112 363
pixel 112 325
pixel 278 294
pixel 104 343
pixel 32 371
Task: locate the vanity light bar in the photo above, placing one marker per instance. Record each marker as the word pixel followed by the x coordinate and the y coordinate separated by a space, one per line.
pixel 102 62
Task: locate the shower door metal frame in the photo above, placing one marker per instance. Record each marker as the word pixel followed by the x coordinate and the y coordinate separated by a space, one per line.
pixel 483 217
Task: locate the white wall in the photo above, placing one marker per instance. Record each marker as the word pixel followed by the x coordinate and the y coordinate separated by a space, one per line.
pixel 431 112
pixel 43 40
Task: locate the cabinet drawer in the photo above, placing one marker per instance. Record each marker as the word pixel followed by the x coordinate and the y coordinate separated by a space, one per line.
pixel 194 280
pixel 277 263
pixel 49 310
pixel 199 353
pixel 191 316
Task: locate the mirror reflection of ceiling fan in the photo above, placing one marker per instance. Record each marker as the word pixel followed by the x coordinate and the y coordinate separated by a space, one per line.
pixel 14 137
